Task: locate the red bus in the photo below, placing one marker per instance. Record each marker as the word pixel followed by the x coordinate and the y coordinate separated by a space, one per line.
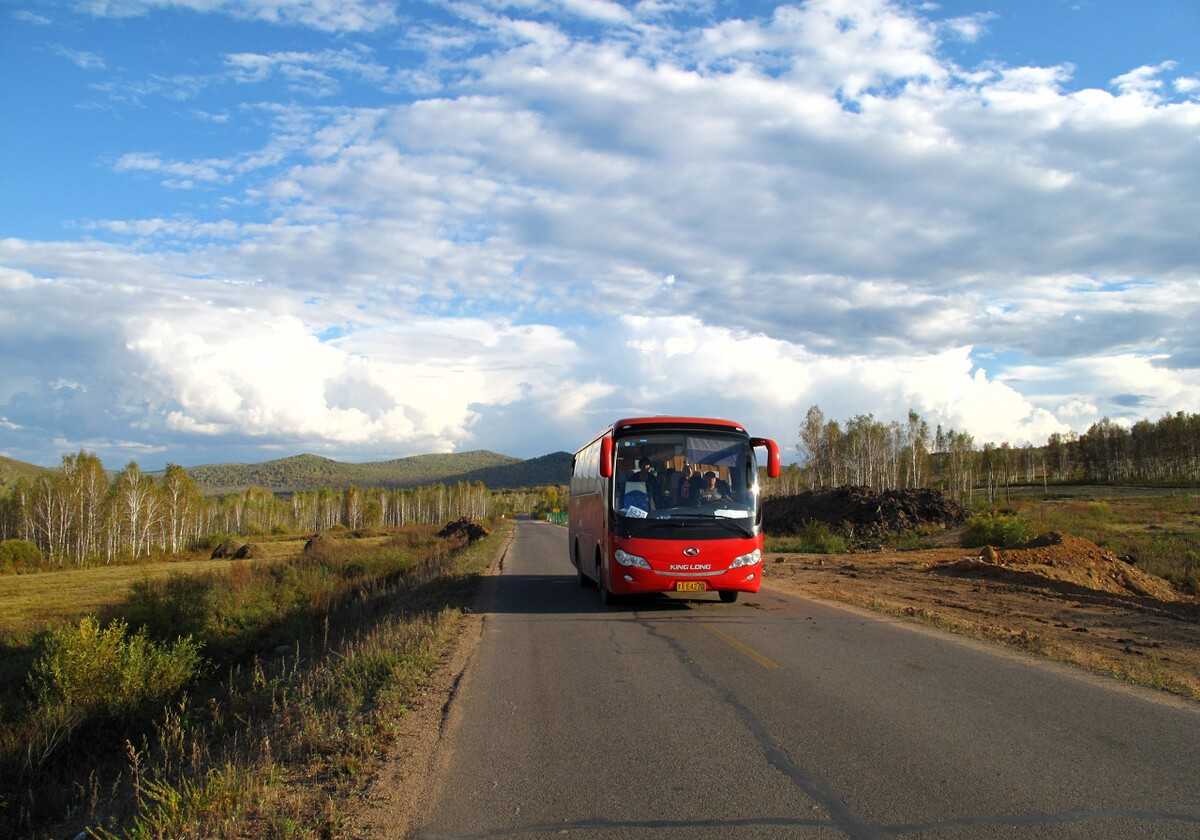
pixel 669 504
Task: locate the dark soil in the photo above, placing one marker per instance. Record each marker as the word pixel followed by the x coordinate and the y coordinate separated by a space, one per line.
pixel 466 528
pixel 861 513
pixel 225 551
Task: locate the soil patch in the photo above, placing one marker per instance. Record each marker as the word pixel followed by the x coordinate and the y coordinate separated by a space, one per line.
pixel 1150 641
pixel 1056 559
pixel 860 512
pixel 466 528
pixel 227 550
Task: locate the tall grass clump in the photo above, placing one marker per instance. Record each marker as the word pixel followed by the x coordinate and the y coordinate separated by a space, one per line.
pixel 997 529
pixel 106 670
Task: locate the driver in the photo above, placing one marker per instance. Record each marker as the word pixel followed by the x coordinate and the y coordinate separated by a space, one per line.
pixel 710 491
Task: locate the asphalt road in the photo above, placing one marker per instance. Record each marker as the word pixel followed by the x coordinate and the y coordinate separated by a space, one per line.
pixel 780 717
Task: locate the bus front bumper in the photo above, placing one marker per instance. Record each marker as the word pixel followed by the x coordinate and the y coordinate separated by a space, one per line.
pixel 635 581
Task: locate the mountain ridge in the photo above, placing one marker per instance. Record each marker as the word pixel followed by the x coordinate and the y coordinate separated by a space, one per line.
pixel 307 471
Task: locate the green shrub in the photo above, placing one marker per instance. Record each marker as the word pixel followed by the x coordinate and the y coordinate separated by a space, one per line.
pixel 997 529
pixel 107 671
pixel 911 541
pixel 16 555
pixel 814 538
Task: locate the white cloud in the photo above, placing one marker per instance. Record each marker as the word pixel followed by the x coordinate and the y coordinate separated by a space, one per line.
pixel 26 16
pixel 326 15
pixel 682 361
pixel 182 173
pixel 82 59
pixel 1187 84
pixel 601 10
pixel 1142 81
pixel 306 72
pixel 969 27
pixel 812 206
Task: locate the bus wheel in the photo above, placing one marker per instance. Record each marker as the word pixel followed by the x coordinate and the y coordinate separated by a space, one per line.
pixel 584 580
pixel 606 598
pixel 728 596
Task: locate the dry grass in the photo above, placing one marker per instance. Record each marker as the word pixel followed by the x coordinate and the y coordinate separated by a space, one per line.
pixel 30 602
pixel 1161 532
pixel 275 738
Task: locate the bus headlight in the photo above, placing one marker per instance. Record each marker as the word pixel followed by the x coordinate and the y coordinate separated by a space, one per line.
pixel 627 559
pixel 750 559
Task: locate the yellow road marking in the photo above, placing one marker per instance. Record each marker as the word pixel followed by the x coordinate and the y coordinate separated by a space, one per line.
pixel 743 648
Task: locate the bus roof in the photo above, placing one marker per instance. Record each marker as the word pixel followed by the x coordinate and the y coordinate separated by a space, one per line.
pixel 667 420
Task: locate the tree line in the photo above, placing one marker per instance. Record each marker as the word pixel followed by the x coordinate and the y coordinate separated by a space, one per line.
pixel 80 515
pixel 863 450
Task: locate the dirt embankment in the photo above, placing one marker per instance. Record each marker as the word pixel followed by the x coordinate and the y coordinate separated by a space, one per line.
pixel 1061 597
pixel 1062 562
pixel 861 513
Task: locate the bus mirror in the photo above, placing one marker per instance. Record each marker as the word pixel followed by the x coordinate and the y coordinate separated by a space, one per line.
pixel 606 457
pixel 772 455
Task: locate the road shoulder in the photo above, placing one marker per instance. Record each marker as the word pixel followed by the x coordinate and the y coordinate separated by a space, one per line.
pixel 1082 640
pixel 406 780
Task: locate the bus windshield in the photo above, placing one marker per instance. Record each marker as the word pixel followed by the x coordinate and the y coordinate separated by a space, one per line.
pixel 685 476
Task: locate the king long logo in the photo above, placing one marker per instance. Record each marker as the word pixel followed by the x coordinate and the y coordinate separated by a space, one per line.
pixel 691 551
pixel 690 567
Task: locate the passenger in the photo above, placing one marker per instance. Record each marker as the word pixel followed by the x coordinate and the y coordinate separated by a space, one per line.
pixel 684 491
pixel 668 485
pixel 647 476
pixel 710 492
pixel 695 485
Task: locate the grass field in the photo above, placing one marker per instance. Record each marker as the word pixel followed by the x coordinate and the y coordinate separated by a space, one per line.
pixel 30 602
pixel 287 684
pixel 1161 532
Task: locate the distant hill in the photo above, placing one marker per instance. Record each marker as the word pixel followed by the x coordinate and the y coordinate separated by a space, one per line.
pixel 11 470
pixel 554 468
pixel 310 472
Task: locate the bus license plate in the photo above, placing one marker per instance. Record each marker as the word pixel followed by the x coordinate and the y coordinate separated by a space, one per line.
pixel 691 586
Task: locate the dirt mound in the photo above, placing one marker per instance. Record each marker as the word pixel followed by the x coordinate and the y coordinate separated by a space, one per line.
pixel 1061 559
pixel 248 552
pixel 465 527
pixel 318 542
pixel 225 551
pixel 860 512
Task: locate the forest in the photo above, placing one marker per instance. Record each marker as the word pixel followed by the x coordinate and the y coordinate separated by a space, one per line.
pixel 865 451
pixel 77 515
pixel 81 515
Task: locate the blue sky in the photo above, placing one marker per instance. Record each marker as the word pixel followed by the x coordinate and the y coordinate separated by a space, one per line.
pixel 238 229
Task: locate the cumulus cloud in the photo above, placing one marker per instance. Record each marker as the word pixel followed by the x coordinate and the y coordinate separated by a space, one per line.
pixel 615 208
pixel 969 27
